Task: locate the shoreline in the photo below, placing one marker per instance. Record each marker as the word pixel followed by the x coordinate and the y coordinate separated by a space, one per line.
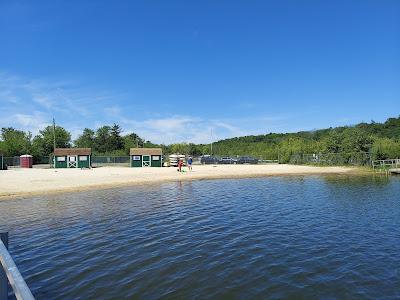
pixel 20 183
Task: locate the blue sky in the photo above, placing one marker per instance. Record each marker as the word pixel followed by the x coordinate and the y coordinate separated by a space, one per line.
pixel 172 71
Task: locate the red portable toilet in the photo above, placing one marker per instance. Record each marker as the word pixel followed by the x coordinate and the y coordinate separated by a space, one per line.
pixel 25 161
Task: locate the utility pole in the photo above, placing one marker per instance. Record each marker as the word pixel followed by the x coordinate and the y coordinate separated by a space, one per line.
pixel 54 134
pixel 54 142
pixel 211 142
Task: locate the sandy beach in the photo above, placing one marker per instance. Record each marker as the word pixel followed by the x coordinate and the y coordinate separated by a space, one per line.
pixel 23 182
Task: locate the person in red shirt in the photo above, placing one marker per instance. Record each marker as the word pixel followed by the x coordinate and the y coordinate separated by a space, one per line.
pixel 180 164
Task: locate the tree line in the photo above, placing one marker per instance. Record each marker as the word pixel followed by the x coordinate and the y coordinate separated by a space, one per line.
pixel 379 140
pixel 106 140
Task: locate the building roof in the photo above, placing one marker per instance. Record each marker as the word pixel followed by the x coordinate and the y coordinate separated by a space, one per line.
pixel 72 151
pixel 146 151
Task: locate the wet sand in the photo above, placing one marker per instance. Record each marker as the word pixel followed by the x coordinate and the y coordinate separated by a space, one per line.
pixel 25 182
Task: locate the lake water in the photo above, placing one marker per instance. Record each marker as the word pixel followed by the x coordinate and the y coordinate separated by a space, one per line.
pixel 277 237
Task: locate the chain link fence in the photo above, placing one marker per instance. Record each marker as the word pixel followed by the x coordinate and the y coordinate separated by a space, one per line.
pixel 118 161
pixel 227 159
pixel 38 161
pixel 11 161
pixel 332 159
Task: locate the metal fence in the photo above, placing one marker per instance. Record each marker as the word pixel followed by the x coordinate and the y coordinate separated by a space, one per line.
pixel 99 161
pixel 11 161
pixel 14 161
pixel 332 159
pixel 356 159
pixel 121 161
pixel 229 159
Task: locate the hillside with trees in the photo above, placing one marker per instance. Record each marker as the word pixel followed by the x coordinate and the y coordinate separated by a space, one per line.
pixel 381 140
pixel 378 140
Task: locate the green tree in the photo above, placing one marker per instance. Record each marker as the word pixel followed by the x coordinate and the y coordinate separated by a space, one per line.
pixel 181 148
pixel 356 140
pixel 102 140
pixel 333 142
pixel 86 139
pixel 116 140
pixel 385 148
pixel 42 144
pixel 132 140
pixel 15 142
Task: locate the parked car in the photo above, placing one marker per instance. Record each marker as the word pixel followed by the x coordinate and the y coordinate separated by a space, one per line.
pixel 208 160
pixel 227 161
pixel 247 160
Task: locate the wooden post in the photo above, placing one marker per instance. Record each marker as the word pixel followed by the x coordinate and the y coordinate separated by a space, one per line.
pixel 3 276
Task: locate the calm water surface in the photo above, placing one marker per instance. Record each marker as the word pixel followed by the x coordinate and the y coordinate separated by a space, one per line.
pixel 279 237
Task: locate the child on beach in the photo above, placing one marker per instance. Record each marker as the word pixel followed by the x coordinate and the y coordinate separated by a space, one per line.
pixel 180 164
pixel 189 163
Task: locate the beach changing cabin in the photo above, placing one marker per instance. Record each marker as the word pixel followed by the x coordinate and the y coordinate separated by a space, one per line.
pixel 146 157
pixel 72 158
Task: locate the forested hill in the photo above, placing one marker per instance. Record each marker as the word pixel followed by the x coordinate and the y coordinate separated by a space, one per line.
pixel 381 139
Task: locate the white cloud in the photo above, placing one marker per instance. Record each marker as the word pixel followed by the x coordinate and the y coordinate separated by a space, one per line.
pixel 44 101
pixel 178 128
pixel 29 122
pixel 30 104
pixel 54 96
pixel 168 124
pixel 112 111
pixel 8 96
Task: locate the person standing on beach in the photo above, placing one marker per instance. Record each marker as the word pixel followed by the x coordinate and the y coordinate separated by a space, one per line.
pixel 189 163
pixel 180 164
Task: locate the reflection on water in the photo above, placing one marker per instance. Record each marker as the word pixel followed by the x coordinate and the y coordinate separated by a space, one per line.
pixel 350 180
pixel 278 237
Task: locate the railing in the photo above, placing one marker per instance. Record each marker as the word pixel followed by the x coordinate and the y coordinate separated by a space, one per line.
pixel 386 164
pixel 10 271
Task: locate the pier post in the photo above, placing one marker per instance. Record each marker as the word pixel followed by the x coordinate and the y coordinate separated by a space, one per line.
pixel 3 276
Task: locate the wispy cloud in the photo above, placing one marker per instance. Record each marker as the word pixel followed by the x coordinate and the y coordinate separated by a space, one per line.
pixel 30 104
pixel 113 111
pixel 32 122
pixel 178 128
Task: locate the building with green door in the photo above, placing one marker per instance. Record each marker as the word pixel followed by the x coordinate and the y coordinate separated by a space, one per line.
pixel 146 157
pixel 72 158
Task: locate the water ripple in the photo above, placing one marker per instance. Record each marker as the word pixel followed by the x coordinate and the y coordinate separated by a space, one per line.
pixel 283 237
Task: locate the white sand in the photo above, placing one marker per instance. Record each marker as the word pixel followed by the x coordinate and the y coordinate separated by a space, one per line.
pixel 18 182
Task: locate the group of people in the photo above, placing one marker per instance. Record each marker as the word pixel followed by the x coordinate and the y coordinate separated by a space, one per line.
pixel 189 163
